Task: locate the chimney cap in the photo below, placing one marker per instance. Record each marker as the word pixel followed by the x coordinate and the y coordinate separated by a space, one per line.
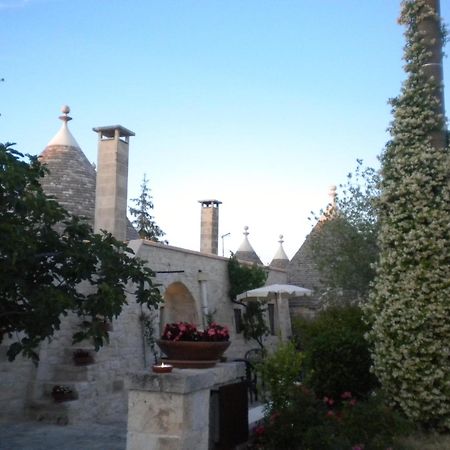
pixel 210 202
pixel 109 131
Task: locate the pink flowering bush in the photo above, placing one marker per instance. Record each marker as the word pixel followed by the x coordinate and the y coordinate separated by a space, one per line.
pixel 184 331
pixel 307 422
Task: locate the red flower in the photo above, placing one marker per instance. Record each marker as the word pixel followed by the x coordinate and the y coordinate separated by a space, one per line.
pixel 259 431
pixel 346 395
pixel 184 331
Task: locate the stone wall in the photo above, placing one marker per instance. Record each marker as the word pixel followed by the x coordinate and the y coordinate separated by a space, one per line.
pixel 166 261
pixel 15 384
pixel 25 390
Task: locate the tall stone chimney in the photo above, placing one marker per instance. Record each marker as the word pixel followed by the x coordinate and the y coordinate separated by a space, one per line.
pixel 209 233
pixel 112 180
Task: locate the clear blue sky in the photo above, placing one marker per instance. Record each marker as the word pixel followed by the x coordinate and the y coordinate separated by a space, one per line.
pixel 260 104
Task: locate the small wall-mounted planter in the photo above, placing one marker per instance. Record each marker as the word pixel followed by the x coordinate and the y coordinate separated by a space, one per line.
pixel 62 393
pixel 82 358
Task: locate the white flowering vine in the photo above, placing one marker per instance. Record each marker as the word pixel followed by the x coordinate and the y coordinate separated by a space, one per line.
pixel 409 303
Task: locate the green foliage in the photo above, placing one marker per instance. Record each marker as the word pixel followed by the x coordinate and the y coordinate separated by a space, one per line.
pixel 42 269
pixel 337 356
pixel 243 278
pixel 279 371
pixel 343 244
pixel 409 304
pixel 309 423
pixel 149 329
pixel 253 322
pixel 371 423
pixel 144 221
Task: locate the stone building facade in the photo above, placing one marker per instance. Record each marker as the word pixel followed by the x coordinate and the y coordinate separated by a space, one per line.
pixel 192 283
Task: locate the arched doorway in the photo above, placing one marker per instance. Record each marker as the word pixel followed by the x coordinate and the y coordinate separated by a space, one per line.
pixel 179 305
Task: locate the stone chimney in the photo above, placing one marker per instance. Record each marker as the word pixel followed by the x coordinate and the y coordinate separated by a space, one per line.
pixel 112 180
pixel 209 233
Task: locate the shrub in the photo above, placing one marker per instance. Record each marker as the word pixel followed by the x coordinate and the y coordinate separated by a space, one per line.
pixel 307 422
pixel 279 371
pixel 337 357
pixel 299 424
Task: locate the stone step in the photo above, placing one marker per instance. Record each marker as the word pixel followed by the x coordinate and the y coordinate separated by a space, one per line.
pixel 50 412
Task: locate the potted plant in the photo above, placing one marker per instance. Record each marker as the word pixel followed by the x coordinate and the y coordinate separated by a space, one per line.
pixel 186 346
pixel 63 393
pixel 82 357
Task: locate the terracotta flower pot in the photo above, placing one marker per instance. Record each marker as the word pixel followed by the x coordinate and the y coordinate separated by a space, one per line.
pixel 60 397
pixel 193 354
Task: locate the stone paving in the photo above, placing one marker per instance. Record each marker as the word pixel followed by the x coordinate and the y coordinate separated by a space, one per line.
pixel 40 436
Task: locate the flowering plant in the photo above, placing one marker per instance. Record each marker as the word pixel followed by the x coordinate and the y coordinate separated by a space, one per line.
pixel 61 389
pixel 184 331
pixel 216 332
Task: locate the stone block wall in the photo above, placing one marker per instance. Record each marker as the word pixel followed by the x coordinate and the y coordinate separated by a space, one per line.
pixel 164 259
pixel 15 384
pixel 25 390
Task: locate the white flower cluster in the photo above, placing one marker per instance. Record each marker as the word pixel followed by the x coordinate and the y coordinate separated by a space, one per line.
pixel 409 304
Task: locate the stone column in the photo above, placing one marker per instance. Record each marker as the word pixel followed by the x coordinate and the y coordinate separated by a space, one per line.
pixel 171 411
pixel 431 29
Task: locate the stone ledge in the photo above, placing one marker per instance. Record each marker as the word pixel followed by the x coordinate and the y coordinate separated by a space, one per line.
pixel 182 381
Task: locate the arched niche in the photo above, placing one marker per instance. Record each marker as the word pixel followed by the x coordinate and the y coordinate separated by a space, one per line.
pixel 179 305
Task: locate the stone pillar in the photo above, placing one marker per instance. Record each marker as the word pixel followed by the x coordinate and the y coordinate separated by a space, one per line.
pixel 209 230
pixel 172 411
pixel 203 280
pixel 431 29
pixel 112 180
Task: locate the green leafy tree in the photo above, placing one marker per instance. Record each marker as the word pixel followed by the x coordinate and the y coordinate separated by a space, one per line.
pixel 410 301
pixel 42 269
pixel 343 244
pixel 243 278
pixel 144 222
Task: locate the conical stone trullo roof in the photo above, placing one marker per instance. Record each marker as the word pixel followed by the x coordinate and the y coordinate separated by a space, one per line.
pixel 71 177
pixel 280 260
pixel 245 251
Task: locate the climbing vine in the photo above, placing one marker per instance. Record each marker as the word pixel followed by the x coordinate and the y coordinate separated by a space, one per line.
pixel 243 278
pixel 409 303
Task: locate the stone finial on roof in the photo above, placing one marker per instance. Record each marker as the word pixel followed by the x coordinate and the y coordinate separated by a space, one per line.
pixel 64 136
pixel 331 209
pixel 332 195
pixel 280 259
pixel 245 251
